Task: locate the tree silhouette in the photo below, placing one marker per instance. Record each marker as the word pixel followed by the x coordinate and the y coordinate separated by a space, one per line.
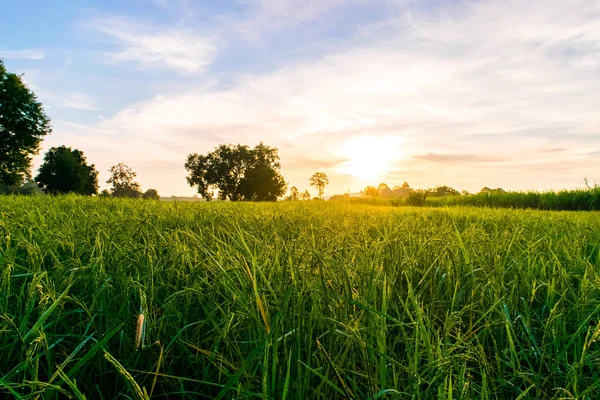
pixel 122 180
pixel 151 194
pixel 441 191
pixel 305 195
pixel 370 191
pixel 65 170
pixel 319 180
pixel 237 172
pixel 384 190
pixel 23 124
pixel 294 194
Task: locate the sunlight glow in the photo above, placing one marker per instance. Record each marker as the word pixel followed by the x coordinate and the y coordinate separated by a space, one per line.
pixel 370 158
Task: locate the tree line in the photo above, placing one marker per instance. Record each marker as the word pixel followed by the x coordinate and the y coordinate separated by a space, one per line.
pixel 229 172
pixel 384 191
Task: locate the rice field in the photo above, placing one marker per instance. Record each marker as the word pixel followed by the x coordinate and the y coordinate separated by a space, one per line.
pixel 107 298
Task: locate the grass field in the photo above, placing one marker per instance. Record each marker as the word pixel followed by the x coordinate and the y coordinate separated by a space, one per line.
pixel 296 300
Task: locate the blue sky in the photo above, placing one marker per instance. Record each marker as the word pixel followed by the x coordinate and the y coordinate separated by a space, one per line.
pixel 464 93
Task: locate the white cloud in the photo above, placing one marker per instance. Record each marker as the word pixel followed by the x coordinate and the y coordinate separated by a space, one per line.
pixel 150 46
pixel 23 54
pixel 508 87
pixel 37 81
pixel 267 16
pixel 75 100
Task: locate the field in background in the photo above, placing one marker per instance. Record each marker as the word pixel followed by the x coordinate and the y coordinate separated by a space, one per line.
pixel 563 200
pixel 296 300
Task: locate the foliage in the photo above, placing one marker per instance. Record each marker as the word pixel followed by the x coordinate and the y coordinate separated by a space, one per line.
pixel 237 172
pixel 441 191
pixel 294 194
pixel 151 194
pixel 123 183
pixel 319 180
pixel 296 300
pixel 417 198
pixel 338 197
pixel 383 190
pixel 401 191
pixel 65 170
pixel 23 124
pixel 487 190
pixel 305 196
pixel 567 200
pixel 26 189
pixel 370 191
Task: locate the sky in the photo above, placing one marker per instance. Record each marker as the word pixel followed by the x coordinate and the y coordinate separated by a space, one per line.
pixel 473 93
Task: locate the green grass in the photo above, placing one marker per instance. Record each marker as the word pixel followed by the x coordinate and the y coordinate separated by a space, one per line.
pixel 296 300
pixel 565 200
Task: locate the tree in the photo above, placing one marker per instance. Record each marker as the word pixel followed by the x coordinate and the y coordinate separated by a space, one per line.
pixel 237 172
pixel 262 180
pixel 122 180
pixel 441 191
pixel 305 195
pixel 319 180
pixel 23 124
pixel 294 194
pixel 401 191
pixel 370 191
pixel 151 194
pixel 417 198
pixel 488 191
pixel 65 170
pixel 384 190
pixel 28 188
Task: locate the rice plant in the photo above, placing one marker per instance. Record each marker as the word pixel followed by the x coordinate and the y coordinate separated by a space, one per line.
pixel 105 298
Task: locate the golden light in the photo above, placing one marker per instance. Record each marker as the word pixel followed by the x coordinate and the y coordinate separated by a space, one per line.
pixel 369 158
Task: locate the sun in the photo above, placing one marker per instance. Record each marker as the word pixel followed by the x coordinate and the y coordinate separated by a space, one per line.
pixel 369 158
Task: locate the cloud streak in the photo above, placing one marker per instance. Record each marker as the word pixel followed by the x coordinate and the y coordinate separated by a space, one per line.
pixel 23 54
pixel 148 46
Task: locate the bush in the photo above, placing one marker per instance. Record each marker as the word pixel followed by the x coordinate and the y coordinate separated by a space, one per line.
pixel 417 198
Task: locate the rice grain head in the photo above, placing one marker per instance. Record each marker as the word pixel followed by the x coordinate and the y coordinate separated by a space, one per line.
pixel 139 334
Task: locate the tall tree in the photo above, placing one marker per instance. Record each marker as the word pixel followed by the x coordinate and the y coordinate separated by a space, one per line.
pixel 262 180
pixel 123 183
pixel 319 180
pixel 294 194
pixel 384 190
pixel 65 170
pixel 23 124
pixel 237 172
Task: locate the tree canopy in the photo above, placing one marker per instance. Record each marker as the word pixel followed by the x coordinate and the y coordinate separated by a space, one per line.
pixel 370 191
pixel 294 194
pixel 237 172
pixel 319 180
pixel 151 194
pixel 441 191
pixel 23 124
pixel 65 170
pixel 123 183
